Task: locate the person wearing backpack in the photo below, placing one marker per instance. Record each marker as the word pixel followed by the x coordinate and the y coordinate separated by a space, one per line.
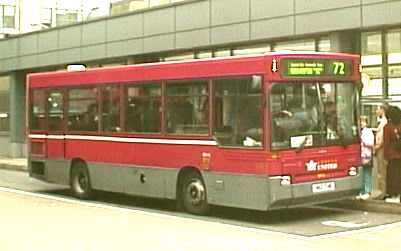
pixel 392 152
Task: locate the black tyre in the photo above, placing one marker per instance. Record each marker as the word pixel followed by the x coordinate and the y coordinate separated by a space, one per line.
pixel 80 184
pixel 193 194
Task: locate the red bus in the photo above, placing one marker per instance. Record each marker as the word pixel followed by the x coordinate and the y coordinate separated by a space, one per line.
pixel 259 132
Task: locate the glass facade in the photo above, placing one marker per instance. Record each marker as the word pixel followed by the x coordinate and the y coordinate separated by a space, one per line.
pixel 4 104
pixel 381 63
pixel 381 70
pixel 393 44
pixel 371 60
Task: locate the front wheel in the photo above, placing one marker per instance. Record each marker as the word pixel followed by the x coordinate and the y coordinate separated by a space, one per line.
pixel 80 184
pixel 193 194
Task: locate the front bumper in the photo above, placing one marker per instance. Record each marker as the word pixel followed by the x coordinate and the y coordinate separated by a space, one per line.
pixel 283 196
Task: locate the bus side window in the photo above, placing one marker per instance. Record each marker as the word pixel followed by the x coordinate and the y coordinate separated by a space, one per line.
pixel 55 110
pixel 83 109
pixel 143 108
pixel 111 109
pixel 187 106
pixel 38 108
pixel 238 112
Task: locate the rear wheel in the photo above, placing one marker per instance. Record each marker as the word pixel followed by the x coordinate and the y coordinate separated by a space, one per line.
pixel 193 194
pixel 80 184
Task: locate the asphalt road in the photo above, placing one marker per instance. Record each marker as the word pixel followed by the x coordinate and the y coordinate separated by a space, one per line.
pixel 316 221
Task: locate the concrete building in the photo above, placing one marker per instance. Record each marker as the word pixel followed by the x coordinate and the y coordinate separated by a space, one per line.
pixel 149 31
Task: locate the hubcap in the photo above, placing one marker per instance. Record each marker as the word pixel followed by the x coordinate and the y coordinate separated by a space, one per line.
pixel 81 182
pixel 196 192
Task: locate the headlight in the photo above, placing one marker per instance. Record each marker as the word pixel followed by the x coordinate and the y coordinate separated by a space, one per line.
pixel 353 171
pixel 285 180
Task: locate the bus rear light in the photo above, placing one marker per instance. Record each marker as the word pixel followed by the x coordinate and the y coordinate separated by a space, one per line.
pixel 352 171
pixel 285 180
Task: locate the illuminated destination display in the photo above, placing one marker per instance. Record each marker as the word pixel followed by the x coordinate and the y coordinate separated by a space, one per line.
pixel 316 68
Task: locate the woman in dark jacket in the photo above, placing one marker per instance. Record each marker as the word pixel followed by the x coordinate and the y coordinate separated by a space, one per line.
pixel 392 153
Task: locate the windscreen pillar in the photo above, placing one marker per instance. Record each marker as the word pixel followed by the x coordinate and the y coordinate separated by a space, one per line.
pixel 17 115
pixel 345 41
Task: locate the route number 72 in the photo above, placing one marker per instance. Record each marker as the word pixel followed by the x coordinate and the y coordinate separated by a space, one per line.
pixel 339 68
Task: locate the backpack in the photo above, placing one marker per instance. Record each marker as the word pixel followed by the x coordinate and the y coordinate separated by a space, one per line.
pixel 396 142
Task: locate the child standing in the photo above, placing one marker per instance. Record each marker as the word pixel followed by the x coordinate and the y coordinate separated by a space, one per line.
pixel 367 143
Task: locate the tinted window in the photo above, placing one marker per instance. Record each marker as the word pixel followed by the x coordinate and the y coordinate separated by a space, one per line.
pixel 83 110
pixel 38 110
pixel 143 110
pixel 238 111
pixel 55 110
pixel 111 109
pixel 187 107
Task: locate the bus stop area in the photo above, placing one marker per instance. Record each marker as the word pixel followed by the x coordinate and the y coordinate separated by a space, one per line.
pixel 20 164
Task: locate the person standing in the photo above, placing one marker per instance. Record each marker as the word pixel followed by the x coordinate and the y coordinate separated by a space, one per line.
pixel 392 152
pixel 367 143
pixel 380 162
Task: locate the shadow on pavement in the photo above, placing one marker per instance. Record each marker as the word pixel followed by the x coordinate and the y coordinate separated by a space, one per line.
pixel 225 214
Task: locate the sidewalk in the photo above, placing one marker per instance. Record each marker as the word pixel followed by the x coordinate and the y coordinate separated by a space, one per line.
pixel 365 205
pixel 370 205
pixel 13 164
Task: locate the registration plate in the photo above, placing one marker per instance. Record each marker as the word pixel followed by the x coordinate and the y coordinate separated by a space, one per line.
pixel 323 187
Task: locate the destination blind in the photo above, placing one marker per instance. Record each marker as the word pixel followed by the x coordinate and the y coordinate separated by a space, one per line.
pixel 316 68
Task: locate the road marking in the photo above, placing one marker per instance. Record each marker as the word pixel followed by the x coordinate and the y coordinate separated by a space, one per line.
pixel 185 219
pixel 344 224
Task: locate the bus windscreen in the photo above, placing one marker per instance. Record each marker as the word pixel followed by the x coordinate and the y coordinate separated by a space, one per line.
pixel 313 114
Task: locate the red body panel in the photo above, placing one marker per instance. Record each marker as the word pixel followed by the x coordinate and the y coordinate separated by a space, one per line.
pixel 55 148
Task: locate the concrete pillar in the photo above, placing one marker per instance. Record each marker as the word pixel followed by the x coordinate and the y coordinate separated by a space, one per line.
pixel 17 115
pixel 345 41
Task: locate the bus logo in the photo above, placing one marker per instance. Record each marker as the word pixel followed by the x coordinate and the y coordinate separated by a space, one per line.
pixel 312 165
